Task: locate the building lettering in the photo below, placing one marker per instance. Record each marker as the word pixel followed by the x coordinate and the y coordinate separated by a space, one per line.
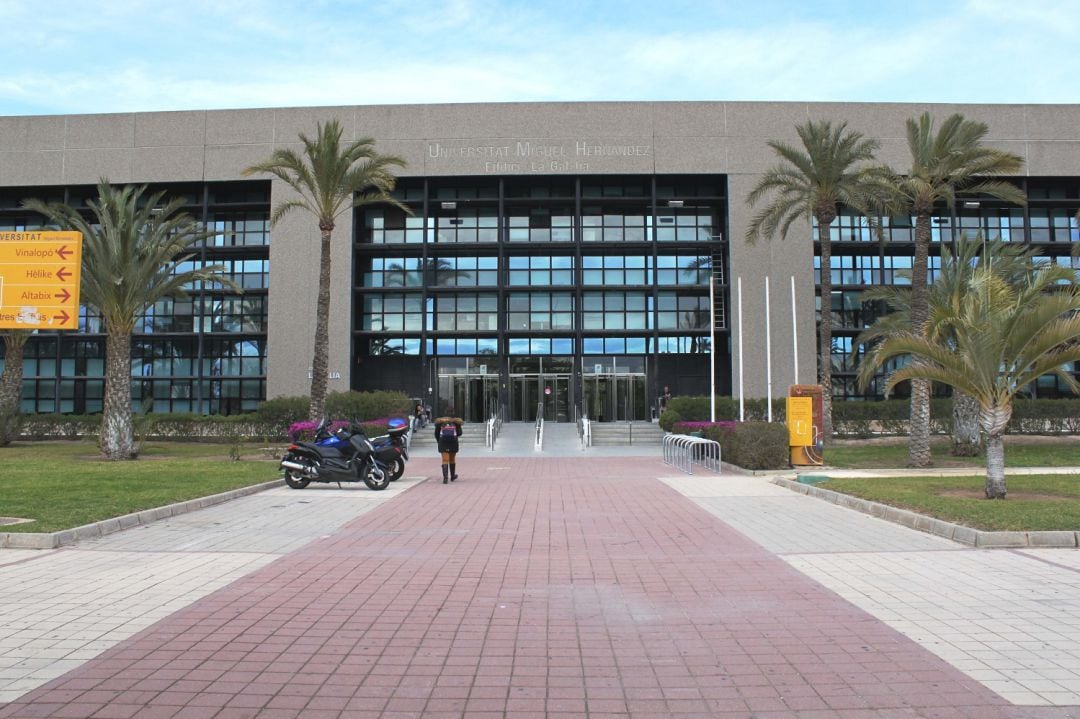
pixel 528 156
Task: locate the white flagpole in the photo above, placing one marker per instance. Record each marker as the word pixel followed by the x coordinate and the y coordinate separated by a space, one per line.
pixel 712 347
pixel 742 413
pixel 794 331
pixel 768 354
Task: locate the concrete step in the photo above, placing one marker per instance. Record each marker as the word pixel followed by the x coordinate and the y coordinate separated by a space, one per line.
pixel 614 433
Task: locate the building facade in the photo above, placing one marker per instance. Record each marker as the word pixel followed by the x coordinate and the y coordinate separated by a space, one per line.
pixel 557 257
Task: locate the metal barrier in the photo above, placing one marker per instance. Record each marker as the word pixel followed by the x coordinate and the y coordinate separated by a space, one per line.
pixel 683 451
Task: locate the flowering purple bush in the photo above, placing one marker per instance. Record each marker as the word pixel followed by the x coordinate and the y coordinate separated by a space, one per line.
pixel 688 427
pixel 305 431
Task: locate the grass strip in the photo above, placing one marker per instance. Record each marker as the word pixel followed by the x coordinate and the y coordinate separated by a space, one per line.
pixel 1018 453
pixel 1034 503
pixel 62 485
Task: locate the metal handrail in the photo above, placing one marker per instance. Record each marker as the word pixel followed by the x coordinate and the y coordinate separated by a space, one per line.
pixel 492 428
pixel 586 432
pixel 539 426
pixel 683 452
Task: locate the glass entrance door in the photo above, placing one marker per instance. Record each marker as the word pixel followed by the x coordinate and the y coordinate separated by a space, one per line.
pixel 614 388
pixel 470 395
pixel 528 391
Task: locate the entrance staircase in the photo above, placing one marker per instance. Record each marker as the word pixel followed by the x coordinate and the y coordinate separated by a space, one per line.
pixel 626 433
pixel 473 434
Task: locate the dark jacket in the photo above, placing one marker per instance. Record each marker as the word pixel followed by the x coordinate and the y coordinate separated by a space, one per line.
pixel 447 444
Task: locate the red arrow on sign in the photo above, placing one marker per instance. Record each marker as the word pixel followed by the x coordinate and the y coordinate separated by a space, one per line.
pixel 63 316
pixel 64 252
pixel 62 274
pixel 64 295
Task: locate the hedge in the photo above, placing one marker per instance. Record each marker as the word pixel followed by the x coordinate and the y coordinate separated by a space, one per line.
pixel 883 417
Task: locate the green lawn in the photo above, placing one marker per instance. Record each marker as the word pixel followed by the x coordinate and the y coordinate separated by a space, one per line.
pixel 1035 502
pixel 64 484
pixel 1019 452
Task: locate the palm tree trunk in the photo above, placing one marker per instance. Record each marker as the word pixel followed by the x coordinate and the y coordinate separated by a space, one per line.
pixel 825 219
pixel 993 421
pixel 919 437
pixel 11 386
pixel 117 437
pixel 966 437
pixel 320 354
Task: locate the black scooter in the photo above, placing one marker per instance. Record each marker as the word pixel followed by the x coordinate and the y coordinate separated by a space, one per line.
pixel 352 460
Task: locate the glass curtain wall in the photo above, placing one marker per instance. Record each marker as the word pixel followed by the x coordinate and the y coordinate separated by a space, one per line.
pixel 1048 223
pixel 205 354
pixel 520 287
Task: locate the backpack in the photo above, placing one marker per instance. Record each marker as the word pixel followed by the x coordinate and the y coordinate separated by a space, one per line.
pixel 448 431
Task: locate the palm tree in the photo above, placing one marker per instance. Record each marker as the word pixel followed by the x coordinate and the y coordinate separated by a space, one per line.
pixel 330 179
pixel 11 383
pixel 1003 336
pixel 1011 261
pixel 814 182
pixel 133 246
pixel 950 160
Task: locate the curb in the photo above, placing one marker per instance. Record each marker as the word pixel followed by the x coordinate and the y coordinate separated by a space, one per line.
pixel 52 540
pixel 930 525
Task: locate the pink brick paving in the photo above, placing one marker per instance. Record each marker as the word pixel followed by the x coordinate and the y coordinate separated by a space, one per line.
pixel 547 588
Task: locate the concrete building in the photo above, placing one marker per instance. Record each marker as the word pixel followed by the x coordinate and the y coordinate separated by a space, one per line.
pixel 558 253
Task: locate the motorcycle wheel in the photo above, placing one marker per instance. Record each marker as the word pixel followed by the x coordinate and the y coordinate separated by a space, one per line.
pixel 296 479
pixel 377 479
pixel 396 469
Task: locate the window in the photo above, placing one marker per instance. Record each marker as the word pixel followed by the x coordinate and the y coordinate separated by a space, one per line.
pixel 685 225
pixel 616 311
pixel 448 313
pixel 540 271
pixel 615 224
pixel 392 312
pixel 467 225
pixel 682 311
pixel 684 270
pixel 540 224
pixel 616 270
pixel 238 229
pixel 392 226
pixel 540 311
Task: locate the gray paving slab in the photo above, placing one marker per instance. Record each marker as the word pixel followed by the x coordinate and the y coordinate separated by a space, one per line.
pixel 1009 619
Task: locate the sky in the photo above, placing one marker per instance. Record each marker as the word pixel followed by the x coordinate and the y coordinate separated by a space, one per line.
pixel 91 56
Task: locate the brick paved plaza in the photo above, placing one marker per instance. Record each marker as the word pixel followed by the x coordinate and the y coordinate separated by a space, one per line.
pixel 545 587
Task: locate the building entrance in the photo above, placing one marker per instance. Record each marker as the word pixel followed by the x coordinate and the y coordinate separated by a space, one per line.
pixel 536 380
pixel 468 386
pixel 615 389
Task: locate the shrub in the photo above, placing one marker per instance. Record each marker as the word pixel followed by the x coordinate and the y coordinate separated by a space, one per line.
pixel 283 411
pixel 364 406
pixel 668 418
pixel 752 445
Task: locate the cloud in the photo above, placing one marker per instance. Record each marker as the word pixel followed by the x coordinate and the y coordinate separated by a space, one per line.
pixel 136 55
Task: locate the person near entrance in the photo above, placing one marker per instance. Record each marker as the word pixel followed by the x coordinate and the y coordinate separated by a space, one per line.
pixel 447 431
pixel 665 397
pixel 419 417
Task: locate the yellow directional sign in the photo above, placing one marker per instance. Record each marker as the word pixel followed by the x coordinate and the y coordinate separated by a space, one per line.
pixel 39 280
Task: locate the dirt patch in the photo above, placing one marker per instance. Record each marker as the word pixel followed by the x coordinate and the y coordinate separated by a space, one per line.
pixel 14 520
pixel 1021 496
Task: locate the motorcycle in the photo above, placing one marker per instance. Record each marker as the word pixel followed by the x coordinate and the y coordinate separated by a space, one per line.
pixel 353 458
pixel 392 448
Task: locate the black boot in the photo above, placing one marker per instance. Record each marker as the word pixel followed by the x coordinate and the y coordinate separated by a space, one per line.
pixel 453 472
pixel 444 473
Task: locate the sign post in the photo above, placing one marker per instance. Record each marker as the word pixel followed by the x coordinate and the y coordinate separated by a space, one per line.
pixel 39 280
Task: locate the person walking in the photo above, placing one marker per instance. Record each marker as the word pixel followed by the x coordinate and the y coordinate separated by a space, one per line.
pixel 447 431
